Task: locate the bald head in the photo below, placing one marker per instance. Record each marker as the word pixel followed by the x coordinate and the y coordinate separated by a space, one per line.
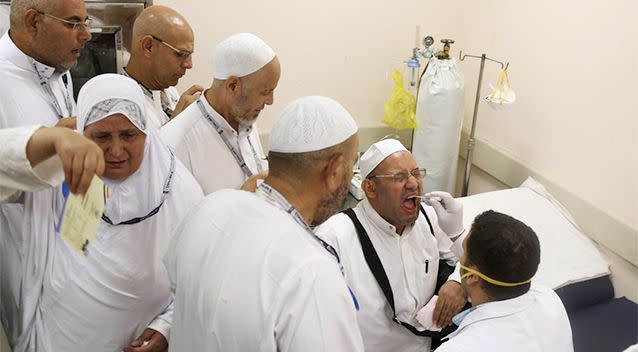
pixel 159 21
pixel 161 48
pixel 20 7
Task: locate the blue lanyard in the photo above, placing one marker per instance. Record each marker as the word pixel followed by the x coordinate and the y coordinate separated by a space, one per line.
pixel 236 153
pixel 279 199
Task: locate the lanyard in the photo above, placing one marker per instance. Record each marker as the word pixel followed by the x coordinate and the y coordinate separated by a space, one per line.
pixel 165 108
pixel 165 191
pixel 236 153
pixel 275 197
pixel 44 83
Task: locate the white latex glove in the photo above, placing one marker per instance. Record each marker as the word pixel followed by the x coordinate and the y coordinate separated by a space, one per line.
pixel 449 211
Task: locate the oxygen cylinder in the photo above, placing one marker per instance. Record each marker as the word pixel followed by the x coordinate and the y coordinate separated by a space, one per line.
pixel 439 112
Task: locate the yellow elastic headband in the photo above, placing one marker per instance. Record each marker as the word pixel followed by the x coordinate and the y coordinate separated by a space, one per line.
pixel 490 280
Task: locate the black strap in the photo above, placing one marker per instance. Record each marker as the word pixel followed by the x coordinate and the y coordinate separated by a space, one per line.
pixel 374 263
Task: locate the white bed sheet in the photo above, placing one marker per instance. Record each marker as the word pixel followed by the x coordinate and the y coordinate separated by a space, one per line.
pixel 567 254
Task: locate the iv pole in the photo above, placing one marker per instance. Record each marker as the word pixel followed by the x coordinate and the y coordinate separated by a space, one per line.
pixel 470 141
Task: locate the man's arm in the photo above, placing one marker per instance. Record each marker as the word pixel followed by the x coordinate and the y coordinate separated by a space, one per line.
pixel 27 162
pixel 155 337
pixel 187 98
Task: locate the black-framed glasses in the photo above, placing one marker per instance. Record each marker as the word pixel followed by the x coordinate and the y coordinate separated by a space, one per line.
pixel 181 54
pixel 74 25
pixel 402 176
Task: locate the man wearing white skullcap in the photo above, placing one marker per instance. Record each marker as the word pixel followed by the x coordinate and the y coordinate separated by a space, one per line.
pixel 249 273
pixel 414 245
pixel 216 138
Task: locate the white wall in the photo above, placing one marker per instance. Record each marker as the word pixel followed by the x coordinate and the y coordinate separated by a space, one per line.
pixel 574 66
pixel 345 49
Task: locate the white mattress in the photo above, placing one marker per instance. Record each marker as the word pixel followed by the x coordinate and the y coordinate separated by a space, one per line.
pixel 567 254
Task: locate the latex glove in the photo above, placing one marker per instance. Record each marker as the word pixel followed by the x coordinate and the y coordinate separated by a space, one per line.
pixel 449 211
pixel 150 341
pixel 452 298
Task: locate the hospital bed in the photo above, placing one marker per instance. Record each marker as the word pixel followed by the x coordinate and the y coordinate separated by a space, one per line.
pixel 570 264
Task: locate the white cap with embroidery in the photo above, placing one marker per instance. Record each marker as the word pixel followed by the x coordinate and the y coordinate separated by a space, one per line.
pixel 240 55
pixel 309 124
pixel 377 153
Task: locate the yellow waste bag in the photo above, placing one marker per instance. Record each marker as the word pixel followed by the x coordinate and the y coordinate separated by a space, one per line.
pixel 400 109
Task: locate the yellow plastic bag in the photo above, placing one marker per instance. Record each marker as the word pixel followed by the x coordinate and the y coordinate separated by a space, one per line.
pixel 400 109
pixel 502 93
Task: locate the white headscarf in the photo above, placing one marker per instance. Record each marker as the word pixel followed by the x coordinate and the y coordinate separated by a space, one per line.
pixel 143 191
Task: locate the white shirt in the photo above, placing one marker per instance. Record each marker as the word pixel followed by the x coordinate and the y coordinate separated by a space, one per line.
pixel 404 261
pixel 534 322
pixel 55 300
pixel 204 153
pixel 16 174
pixel 249 278
pixel 25 101
pixel 156 101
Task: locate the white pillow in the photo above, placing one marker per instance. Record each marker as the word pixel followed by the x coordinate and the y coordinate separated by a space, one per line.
pixel 567 254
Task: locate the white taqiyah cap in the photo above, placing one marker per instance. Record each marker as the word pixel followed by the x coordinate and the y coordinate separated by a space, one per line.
pixel 309 124
pixel 240 55
pixel 377 153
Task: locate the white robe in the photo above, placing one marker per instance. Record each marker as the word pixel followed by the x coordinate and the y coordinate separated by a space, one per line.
pixel 153 104
pixel 534 322
pixel 98 303
pixel 158 117
pixel 204 153
pixel 24 101
pixel 249 278
pixel 404 260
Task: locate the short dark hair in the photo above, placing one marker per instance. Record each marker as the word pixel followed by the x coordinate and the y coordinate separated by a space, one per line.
pixel 297 166
pixel 504 249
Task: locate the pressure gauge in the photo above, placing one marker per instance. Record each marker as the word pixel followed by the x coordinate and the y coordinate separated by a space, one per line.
pixel 428 41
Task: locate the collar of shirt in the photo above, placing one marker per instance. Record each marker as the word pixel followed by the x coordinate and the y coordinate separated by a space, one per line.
pixel 380 223
pixel 11 52
pixel 495 309
pixel 221 121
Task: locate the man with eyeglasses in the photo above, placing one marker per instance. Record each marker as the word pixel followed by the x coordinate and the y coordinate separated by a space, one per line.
pixel 398 253
pixel 161 51
pixel 43 42
pixel 217 138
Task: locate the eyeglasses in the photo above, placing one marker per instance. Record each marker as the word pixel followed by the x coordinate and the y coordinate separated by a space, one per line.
pixel 74 25
pixel 402 176
pixel 181 54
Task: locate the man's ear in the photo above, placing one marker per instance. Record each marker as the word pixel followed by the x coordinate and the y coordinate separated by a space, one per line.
pixel 32 19
pixel 147 45
pixel 232 86
pixel 369 187
pixel 333 173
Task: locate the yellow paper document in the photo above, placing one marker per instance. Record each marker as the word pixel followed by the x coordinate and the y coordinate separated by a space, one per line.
pixel 82 215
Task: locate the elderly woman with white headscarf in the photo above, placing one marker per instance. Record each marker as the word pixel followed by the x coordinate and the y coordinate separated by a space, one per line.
pixel 118 296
